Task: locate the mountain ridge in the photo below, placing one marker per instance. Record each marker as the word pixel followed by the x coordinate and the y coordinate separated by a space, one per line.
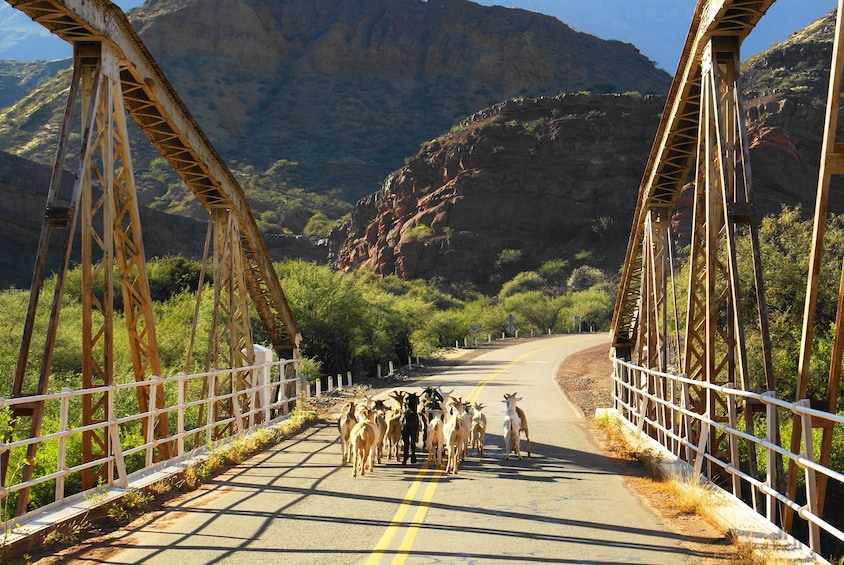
pixel 349 88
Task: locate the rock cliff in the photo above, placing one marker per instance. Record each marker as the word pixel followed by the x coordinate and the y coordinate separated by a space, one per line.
pixel 535 175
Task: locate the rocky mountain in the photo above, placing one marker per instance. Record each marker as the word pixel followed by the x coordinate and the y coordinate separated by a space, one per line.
pixel 347 89
pixel 550 177
pixel 558 177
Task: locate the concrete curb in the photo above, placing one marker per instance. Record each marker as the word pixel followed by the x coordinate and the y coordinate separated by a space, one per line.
pixel 730 513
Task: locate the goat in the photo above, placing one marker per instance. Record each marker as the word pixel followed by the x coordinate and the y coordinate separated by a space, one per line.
pixel 363 442
pixel 458 407
pixel 513 423
pixel 410 426
pixel 345 423
pixel 379 421
pixel 456 434
pixel 478 430
pixel 430 400
pixel 435 438
pixel 392 438
pixel 523 426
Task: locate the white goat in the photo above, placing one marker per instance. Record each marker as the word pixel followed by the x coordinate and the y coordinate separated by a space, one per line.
pixel 512 424
pixel 523 423
pixel 456 435
pixel 435 437
pixel 478 430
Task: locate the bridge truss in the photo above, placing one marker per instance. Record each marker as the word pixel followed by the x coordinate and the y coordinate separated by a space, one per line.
pixel 114 76
pixel 702 146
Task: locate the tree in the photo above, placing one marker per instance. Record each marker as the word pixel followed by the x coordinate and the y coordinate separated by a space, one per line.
pixel 538 310
pixel 585 277
pixel 328 311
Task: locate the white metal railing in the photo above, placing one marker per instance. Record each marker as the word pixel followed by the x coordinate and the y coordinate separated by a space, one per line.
pixel 658 405
pixel 193 421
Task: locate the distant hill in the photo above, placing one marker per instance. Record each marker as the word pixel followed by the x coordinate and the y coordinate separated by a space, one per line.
pixel 347 89
pixel 558 178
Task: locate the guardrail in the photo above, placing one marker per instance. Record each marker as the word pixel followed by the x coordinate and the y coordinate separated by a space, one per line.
pixel 199 415
pixel 657 404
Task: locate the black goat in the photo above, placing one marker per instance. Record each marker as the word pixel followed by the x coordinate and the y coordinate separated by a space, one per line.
pixel 410 426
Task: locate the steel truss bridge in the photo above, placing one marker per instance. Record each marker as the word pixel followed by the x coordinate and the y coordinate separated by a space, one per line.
pixel 684 379
pixel 684 382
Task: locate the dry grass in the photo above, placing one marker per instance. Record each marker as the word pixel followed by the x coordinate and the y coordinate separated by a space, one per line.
pixel 685 496
pixel 749 553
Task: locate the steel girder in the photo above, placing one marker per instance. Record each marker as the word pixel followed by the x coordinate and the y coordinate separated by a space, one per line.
pixel 831 163
pixel 104 202
pixel 702 128
pixel 673 153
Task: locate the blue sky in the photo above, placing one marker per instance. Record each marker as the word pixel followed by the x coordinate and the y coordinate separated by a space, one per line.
pixel 656 27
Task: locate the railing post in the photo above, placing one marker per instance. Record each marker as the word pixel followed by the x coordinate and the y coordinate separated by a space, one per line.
pixel 285 408
pixel 687 420
pixel 734 448
pixel 811 490
pixel 266 390
pixel 643 399
pixel 625 390
pixel 349 377
pixel 301 382
pixel 61 463
pixel 339 381
pixel 771 436
pixel 116 448
pixel 212 399
pixel 238 414
pixel 154 382
pixel 180 415
pixel 319 387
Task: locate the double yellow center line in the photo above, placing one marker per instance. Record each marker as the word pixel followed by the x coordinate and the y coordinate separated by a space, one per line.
pixel 433 477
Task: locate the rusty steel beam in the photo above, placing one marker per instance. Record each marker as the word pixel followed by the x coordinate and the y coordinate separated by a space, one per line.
pixel 673 152
pixel 154 105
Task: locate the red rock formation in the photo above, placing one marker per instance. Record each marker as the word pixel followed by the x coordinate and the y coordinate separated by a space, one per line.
pixel 531 175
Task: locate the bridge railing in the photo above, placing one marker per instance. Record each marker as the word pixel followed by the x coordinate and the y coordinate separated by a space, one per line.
pixel 657 404
pixel 203 410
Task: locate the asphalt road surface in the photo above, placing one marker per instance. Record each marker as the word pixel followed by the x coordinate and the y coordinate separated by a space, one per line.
pixel 294 503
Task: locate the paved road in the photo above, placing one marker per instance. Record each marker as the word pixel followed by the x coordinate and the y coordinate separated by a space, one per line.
pixel 295 504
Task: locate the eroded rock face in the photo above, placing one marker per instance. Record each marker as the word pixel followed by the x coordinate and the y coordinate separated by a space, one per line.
pixel 532 175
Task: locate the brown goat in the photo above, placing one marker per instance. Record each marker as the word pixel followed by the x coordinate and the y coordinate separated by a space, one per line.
pixel 345 423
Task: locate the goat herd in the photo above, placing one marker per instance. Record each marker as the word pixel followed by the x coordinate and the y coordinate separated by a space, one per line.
pixel 448 425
